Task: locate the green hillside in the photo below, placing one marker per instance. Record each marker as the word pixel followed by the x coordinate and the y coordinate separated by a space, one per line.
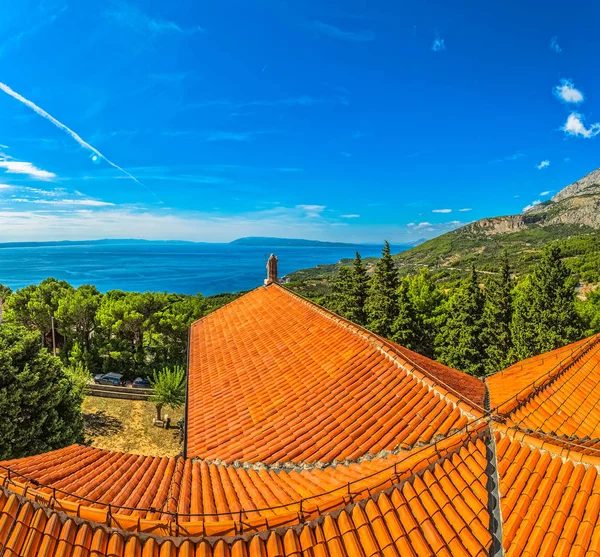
pixel 571 218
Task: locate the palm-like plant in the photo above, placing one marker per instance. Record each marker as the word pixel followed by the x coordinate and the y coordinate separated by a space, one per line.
pixel 169 389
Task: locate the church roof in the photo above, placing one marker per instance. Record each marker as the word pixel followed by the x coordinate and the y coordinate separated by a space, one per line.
pixel 274 377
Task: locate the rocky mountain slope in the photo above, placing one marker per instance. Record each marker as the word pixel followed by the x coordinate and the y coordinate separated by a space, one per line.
pixel 572 217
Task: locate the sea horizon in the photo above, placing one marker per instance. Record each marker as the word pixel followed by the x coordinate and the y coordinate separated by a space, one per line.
pixel 179 267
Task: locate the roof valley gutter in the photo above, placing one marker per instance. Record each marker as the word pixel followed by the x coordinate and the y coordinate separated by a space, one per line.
pixel 493 484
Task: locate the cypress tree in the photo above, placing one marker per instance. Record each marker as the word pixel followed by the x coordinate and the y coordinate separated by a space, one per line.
pixel 382 301
pixel 458 344
pixel 359 292
pixel 544 316
pixel 497 316
pixel 404 325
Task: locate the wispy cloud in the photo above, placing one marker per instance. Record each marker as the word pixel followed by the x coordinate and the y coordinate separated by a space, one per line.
pixel 575 125
pixel 567 92
pixel 345 154
pixel 337 33
pixel 15 41
pixel 21 167
pixel 438 44
pixel 350 216
pixel 513 157
pixel 554 45
pixel 233 136
pixel 545 193
pixel 441 211
pixel 543 164
pixel 311 210
pixel 65 202
pixel 300 100
pixel 70 132
pixel 532 205
pixel 465 209
pixel 132 17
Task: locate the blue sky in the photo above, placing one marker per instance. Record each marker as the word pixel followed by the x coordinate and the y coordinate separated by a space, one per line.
pixel 351 120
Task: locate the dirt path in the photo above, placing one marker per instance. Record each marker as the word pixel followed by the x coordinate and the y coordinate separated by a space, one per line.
pixel 126 426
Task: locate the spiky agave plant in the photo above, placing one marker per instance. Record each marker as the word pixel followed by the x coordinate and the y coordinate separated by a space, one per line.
pixel 169 389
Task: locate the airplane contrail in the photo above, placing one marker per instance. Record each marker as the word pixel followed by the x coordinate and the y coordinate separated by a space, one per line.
pixel 68 131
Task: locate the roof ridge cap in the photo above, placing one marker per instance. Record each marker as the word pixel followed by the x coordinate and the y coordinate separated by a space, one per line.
pixel 385 347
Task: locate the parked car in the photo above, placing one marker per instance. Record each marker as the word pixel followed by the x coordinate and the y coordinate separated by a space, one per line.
pixel 141 383
pixel 115 379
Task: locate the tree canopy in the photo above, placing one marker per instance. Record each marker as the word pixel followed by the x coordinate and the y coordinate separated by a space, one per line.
pixel 39 403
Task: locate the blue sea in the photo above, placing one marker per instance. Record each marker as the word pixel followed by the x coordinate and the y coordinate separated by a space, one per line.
pixel 182 268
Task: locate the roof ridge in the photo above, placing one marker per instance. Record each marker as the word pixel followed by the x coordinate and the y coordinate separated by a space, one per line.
pixel 511 405
pixel 378 342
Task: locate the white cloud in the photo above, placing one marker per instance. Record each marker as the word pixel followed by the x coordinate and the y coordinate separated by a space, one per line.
pixel 438 44
pixel 543 164
pixel 575 125
pixel 337 33
pixel 350 216
pixel 423 224
pixel 531 205
pixel 465 209
pixel 5 187
pixel 21 167
pixel 441 211
pixel 312 210
pixel 567 92
pixel 70 132
pixel 554 45
pixel 545 193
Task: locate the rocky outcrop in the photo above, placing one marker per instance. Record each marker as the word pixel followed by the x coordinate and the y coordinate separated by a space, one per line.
pixel 499 225
pixel 589 184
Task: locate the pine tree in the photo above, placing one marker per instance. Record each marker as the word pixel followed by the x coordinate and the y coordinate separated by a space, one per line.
pixel 497 316
pixel 544 316
pixel 458 344
pixel 405 324
pixel 426 299
pixel 342 292
pixel 39 404
pixel 382 301
pixel 359 292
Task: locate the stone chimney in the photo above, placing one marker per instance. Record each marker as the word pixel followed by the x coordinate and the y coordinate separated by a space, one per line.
pixel 271 270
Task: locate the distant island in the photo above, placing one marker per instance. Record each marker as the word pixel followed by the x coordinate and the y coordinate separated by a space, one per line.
pixel 292 242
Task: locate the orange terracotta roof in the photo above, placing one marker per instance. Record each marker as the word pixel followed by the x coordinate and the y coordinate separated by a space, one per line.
pixel 155 488
pixel 561 400
pixel 550 506
pixel 518 381
pixel 441 510
pixel 274 377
